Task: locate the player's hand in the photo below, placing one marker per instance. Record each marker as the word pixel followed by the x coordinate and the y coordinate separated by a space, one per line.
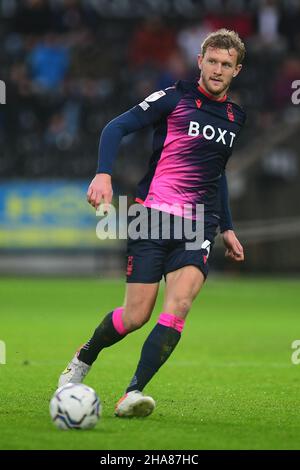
pixel 100 190
pixel 234 249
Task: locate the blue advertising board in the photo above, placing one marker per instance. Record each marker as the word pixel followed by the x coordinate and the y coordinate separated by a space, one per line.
pixel 47 214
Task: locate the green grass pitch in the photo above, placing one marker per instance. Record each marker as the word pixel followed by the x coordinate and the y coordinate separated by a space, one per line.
pixel 230 384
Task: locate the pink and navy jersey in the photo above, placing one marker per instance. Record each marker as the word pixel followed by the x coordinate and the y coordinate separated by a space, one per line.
pixel 194 136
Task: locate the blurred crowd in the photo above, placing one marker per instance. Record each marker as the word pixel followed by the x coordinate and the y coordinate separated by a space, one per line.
pixel 70 67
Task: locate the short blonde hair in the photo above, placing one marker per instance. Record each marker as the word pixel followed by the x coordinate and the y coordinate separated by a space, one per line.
pixel 225 39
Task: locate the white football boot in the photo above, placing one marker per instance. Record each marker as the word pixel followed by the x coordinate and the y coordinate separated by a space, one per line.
pixel 74 373
pixel 134 404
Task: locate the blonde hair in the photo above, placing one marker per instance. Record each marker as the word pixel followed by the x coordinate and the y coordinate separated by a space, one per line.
pixel 225 39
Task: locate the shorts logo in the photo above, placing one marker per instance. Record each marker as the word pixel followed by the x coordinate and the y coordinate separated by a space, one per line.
pixel 129 265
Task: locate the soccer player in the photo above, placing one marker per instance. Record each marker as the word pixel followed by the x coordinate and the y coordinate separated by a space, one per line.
pixel 195 128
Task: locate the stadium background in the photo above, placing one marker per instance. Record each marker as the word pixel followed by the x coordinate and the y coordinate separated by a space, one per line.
pixel 69 67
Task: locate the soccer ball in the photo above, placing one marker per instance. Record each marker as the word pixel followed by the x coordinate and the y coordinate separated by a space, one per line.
pixel 75 406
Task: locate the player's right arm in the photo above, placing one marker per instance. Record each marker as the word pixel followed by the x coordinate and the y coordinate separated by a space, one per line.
pixel 100 188
pixel 149 111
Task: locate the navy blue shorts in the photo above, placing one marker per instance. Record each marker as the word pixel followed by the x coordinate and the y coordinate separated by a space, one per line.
pixel 149 258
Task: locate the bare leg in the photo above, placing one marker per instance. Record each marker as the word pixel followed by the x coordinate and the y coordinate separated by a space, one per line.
pixel 138 304
pixel 182 287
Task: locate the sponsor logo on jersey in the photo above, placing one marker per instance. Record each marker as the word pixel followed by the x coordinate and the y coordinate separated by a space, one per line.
pixel 210 133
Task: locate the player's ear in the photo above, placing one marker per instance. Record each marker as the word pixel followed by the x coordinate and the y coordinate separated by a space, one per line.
pixel 237 70
pixel 200 59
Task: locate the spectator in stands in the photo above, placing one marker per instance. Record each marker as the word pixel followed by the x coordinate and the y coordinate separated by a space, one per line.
pixel 48 62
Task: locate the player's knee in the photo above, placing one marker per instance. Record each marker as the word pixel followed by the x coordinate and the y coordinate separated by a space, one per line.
pixel 135 317
pixel 136 313
pixel 132 323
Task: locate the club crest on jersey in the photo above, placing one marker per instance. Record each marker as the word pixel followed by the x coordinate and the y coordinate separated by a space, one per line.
pixel 230 112
pixel 210 133
pixel 198 103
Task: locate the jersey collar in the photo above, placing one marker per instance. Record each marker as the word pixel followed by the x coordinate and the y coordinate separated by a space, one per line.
pixel 211 97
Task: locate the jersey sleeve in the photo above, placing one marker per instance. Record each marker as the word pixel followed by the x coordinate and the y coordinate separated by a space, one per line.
pixel 156 106
pixel 111 137
pixel 225 212
pixel 152 109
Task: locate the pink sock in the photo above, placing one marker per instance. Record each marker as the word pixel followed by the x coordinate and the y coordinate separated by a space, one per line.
pixel 172 321
pixel 118 321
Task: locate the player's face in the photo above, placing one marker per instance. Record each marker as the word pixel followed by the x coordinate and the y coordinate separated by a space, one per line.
pixel 218 68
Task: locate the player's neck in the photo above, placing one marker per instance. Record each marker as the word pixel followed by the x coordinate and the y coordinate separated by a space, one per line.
pixel 203 89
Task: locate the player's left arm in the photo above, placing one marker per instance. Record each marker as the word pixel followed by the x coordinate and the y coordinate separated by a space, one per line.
pixel 234 249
